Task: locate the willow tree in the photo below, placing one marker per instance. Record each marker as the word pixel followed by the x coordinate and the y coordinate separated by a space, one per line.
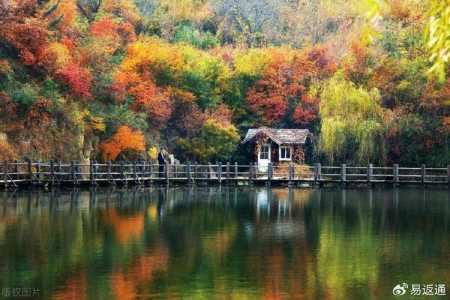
pixel 438 37
pixel 351 122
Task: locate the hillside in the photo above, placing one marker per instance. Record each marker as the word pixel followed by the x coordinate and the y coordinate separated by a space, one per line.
pixel 112 80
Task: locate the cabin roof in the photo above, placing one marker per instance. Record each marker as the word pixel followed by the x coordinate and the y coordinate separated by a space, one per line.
pixel 279 136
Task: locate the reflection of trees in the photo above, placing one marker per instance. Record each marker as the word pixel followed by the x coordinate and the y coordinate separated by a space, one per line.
pixel 305 244
pixel 75 288
pixel 125 226
pixel 347 257
pixel 65 245
pixel 126 283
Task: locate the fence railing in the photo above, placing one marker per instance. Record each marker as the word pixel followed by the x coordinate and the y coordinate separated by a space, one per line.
pixel 53 173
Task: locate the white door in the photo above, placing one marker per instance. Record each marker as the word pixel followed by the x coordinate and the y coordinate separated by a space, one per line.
pixel 263 157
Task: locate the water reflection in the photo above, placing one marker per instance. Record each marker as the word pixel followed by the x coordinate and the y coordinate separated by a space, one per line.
pixel 223 243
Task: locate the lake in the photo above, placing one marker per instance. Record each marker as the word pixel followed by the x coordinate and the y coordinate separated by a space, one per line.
pixel 224 243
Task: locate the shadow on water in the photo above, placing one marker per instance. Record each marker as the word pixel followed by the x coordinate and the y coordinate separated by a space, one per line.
pixel 222 242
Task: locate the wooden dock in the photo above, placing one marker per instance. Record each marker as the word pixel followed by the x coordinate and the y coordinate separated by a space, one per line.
pixel 19 173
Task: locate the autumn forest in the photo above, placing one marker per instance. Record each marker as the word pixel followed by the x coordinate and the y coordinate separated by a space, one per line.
pixel 121 80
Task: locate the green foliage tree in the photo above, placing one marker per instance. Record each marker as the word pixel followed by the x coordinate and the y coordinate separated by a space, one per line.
pixel 214 142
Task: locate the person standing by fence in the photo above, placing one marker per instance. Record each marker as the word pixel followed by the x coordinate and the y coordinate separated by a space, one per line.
pixel 162 161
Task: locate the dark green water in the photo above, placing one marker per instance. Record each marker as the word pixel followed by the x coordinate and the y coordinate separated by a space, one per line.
pixel 228 243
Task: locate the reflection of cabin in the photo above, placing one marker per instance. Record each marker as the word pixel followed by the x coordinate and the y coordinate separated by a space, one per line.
pixel 269 145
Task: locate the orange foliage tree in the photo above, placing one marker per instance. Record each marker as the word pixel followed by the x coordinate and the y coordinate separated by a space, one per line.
pixel 125 139
pixel 6 151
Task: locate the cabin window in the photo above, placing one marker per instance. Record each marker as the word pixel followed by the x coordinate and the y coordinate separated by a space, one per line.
pixel 285 153
pixel 264 153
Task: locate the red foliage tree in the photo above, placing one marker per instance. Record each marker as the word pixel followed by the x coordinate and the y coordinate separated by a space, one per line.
pixel 151 99
pixel 78 79
pixel 285 85
pixel 111 29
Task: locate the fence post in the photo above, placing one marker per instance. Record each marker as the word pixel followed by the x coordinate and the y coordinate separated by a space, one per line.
pixel 343 174
pixel 448 175
pixel 135 175
pixel 95 171
pixel 38 171
pixel 317 173
pixel 166 171
pixel 59 170
pixel 291 173
pixel 30 171
pixel 16 169
pixel 91 171
pixel 52 172
pixel 122 172
pixel 236 171
pixel 369 173
pixel 396 175
pixel 250 170
pixel 269 173
pixel 228 171
pixel 189 175
pixel 72 171
pixel 109 169
pixel 423 173
pixel 5 174
pixel 219 172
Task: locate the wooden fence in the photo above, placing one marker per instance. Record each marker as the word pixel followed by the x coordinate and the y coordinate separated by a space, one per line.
pixel 51 173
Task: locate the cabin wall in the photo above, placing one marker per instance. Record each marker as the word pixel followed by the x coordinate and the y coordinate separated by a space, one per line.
pixel 275 155
pixel 298 151
pixel 298 154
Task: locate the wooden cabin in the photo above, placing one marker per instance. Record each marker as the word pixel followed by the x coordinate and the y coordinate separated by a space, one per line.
pixel 276 146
